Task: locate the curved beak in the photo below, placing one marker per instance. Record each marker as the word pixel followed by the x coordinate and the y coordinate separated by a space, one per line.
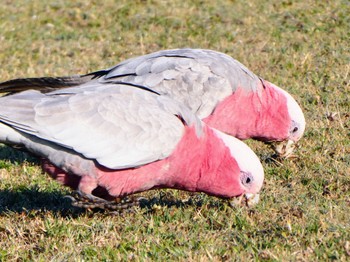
pixel 247 199
pixel 285 148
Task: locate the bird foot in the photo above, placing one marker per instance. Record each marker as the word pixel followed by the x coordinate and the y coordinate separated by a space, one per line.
pixel 89 201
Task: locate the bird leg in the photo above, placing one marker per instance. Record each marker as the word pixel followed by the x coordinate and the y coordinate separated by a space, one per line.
pixel 89 201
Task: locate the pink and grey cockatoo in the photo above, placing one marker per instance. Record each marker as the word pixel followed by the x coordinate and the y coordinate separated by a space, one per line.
pixel 126 139
pixel 217 88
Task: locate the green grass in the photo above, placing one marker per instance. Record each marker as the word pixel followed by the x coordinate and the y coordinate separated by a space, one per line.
pixel 302 46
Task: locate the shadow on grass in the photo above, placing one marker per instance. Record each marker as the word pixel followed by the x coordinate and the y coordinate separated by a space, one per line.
pixel 31 200
pixel 16 156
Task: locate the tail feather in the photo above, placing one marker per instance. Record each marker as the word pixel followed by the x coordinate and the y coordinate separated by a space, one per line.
pixel 42 84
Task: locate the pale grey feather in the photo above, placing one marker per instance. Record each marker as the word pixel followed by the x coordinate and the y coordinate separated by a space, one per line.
pixel 119 126
pixel 198 78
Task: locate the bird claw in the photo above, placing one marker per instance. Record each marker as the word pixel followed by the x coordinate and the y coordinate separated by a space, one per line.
pixel 89 201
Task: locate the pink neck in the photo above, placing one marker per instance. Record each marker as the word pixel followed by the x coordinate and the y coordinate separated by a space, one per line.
pixel 195 165
pixel 261 115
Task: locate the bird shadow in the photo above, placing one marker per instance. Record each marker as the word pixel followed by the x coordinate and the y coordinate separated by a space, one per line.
pixel 21 199
pixel 34 200
pixel 16 156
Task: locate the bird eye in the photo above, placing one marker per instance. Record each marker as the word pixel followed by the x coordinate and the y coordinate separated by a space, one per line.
pixel 246 178
pixel 295 129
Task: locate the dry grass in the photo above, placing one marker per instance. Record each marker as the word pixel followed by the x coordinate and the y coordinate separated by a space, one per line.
pixel 302 46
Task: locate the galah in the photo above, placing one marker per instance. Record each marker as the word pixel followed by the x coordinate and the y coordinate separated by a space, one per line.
pixel 121 139
pixel 217 88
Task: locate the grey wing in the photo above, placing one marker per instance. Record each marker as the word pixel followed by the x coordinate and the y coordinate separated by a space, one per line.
pixel 195 77
pixel 116 125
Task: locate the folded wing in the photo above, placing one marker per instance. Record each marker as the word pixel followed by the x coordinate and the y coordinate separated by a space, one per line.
pixel 119 126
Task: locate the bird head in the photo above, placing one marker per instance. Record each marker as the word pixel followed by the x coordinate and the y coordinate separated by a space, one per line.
pixel 296 125
pixel 251 174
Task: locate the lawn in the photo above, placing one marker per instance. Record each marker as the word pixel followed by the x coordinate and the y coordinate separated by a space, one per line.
pixel 301 46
